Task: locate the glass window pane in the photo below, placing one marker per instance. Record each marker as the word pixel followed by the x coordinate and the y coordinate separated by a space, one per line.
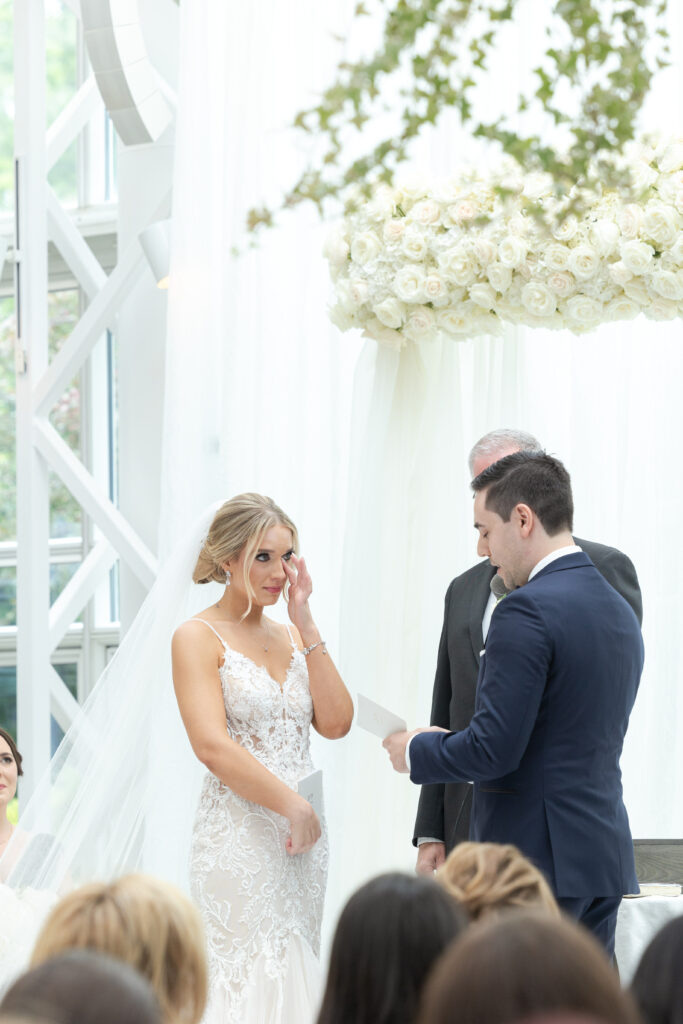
pixel 61 59
pixel 8 479
pixel 8 597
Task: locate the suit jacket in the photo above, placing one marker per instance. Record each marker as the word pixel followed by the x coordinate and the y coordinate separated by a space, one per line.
pixel 444 810
pixel 556 686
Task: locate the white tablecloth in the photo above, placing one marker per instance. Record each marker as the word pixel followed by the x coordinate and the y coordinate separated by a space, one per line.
pixel 638 922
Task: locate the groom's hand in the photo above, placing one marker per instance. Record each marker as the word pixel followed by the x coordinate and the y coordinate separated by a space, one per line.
pixel 395 745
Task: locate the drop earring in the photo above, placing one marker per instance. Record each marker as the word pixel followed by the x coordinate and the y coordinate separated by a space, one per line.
pixel 228 577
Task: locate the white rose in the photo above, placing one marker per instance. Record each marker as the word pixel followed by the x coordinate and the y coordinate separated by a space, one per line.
pixel 455 319
pixel 421 324
pixel 484 250
pixel 604 234
pixel 512 251
pixel 414 244
pixel 499 276
pixel 667 188
pixel 538 299
pixel 425 212
pixel 582 310
pixel 408 283
pixel 642 175
pixel 381 205
pixel 391 312
pixel 622 308
pixel 434 287
pixel 464 210
pixel 668 284
pixel 630 220
pixel 346 297
pixel 677 251
pixel 359 290
pixel 661 309
pixel 619 272
pixel 342 319
pixel 583 261
pixel 393 229
pixel 447 191
pixel 413 187
pixel 376 330
pixel 365 247
pixel 483 295
pixel 566 229
pixel 661 223
pixel 672 158
pixel 336 247
pixel 537 185
pixel 562 283
pixel 636 289
pixel 556 256
pixel 457 265
pixel 636 256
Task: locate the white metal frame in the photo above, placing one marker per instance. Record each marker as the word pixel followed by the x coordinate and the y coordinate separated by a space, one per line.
pixel 40 218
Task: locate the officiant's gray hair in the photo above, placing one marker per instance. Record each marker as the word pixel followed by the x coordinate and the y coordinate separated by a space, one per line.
pixel 502 441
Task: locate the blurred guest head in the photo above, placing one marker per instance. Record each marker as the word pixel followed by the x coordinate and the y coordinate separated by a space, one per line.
pixel 388 937
pixel 81 987
pixel 522 965
pixel 486 878
pixel 658 982
pixel 145 922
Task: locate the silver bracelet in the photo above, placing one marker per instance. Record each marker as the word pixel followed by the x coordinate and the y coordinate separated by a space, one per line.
pixel 307 650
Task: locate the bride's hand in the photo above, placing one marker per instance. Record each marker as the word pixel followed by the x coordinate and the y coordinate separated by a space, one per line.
pixel 300 589
pixel 305 830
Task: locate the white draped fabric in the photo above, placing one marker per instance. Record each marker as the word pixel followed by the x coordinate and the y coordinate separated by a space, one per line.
pixel 261 395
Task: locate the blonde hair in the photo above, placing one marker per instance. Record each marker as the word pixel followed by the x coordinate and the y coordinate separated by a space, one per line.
pixel 239 525
pixel 145 922
pixel 488 877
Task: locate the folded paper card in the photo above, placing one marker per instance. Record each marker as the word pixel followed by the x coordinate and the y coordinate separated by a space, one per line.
pixel 311 789
pixel 376 719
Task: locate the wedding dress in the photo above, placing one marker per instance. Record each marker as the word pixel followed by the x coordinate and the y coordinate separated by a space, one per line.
pixel 262 907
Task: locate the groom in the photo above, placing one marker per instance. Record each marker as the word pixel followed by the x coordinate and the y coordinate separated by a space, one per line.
pixel 557 682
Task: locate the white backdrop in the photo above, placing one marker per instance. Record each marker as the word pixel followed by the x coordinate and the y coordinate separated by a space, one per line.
pixel 261 395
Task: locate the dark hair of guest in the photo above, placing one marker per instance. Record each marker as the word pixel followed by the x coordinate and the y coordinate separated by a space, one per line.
pixel 388 937
pixel 13 748
pixel 657 985
pixel 82 987
pixel 522 965
pixel 529 478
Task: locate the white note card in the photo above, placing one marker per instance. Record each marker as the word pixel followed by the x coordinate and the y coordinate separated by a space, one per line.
pixel 378 720
pixel 311 789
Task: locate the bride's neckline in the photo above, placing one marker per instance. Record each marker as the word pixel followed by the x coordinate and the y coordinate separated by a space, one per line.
pixel 246 657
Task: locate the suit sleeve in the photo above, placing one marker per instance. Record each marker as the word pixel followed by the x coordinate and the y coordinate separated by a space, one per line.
pixel 511 685
pixel 430 810
pixel 620 573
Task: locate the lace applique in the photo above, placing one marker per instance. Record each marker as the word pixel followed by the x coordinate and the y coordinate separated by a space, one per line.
pixel 253 896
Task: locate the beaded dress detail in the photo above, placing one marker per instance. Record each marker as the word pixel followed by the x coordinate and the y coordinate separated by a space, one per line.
pixel 262 908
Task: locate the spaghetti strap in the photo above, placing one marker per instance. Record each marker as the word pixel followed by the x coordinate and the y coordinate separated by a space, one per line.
pixel 291 638
pixel 196 618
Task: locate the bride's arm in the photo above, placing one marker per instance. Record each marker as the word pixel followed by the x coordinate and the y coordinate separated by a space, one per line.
pixel 198 691
pixel 332 704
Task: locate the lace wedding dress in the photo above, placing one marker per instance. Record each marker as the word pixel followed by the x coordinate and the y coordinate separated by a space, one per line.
pixel 262 907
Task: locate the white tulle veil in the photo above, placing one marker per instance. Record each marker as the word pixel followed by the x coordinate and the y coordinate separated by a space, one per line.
pixel 120 792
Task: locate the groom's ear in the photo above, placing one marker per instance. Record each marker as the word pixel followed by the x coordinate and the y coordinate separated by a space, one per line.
pixel 525 518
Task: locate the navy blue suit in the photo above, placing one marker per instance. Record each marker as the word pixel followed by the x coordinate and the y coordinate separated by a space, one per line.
pixel 556 686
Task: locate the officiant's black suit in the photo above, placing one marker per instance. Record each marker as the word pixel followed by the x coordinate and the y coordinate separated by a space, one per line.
pixel 444 809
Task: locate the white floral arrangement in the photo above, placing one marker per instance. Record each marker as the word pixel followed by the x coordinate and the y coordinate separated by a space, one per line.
pixel 413 262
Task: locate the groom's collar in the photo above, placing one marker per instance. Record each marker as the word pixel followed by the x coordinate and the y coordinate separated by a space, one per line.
pixel 570 549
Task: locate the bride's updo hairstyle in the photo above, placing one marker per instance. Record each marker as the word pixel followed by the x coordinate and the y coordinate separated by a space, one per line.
pixel 239 525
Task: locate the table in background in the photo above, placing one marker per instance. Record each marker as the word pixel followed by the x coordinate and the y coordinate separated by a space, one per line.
pixel 638 922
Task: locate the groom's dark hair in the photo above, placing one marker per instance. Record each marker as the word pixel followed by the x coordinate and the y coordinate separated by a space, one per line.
pixel 529 478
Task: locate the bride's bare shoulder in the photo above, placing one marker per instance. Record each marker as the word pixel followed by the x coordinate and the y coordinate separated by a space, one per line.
pixel 194 631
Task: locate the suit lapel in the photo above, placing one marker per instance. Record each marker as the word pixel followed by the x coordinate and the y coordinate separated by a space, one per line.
pixel 479 596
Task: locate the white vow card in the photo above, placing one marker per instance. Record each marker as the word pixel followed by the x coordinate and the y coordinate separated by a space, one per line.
pixel 311 789
pixel 378 720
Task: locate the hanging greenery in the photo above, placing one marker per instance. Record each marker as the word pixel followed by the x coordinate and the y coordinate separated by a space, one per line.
pixel 601 61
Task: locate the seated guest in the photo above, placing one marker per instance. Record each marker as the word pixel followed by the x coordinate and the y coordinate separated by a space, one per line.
pixel 10 770
pixel 489 877
pixel 81 987
pixel 657 985
pixel 145 922
pixel 388 937
pixel 522 965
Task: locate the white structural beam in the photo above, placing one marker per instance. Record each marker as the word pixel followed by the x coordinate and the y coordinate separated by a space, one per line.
pixel 99 315
pixel 73 247
pixel 63 705
pixel 72 120
pixel 80 589
pixel 106 516
pixel 33 581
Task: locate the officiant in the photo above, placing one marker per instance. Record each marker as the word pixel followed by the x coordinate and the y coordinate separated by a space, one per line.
pixel 557 682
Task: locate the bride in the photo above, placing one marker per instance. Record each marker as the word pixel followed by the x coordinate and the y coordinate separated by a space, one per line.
pixel 248 690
